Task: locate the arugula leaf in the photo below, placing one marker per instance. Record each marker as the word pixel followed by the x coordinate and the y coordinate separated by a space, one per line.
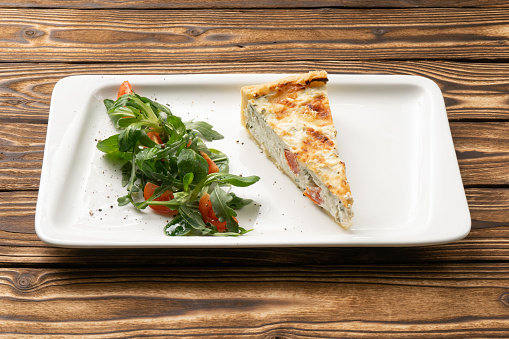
pixel 152 167
pixel 236 202
pixel 124 200
pixel 160 107
pixel 219 199
pixel 205 129
pixel 132 106
pixel 129 137
pixel 178 227
pixel 188 179
pixel 179 199
pixel 175 128
pixel 194 219
pixel 232 179
pixel 126 121
pixel 198 144
pixel 126 173
pixel 110 146
pixel 132 178
pixel 233 234
pixel 121 116
pixel 108 103
pixel 188 161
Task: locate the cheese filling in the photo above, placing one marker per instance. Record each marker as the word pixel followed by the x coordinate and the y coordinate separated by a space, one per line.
pixel 285 160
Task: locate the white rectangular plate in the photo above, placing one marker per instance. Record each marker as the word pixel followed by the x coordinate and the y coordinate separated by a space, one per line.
pixel 393 135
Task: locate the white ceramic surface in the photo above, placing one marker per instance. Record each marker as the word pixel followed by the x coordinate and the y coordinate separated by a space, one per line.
pixel 393 135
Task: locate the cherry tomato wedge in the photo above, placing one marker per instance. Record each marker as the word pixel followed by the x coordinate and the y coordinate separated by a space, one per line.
pixel 212 165
pixel 155 137
pixel 292 161
pixel 148 191
pixel 208 215
pixel 125 88
pixel 313 193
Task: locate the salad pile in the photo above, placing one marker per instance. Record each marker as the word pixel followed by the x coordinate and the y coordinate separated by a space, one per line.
pixel 168 161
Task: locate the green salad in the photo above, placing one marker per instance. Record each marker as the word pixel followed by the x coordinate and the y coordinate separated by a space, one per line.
pixel 168 162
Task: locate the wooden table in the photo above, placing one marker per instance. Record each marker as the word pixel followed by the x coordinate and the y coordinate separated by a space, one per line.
pixel 458 290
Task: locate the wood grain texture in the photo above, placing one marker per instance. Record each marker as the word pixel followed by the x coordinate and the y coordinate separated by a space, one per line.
pixel 487 241
pixel 471 90
pixel 209 4
pixel 483 152
pixel 449 300
pixel 326 34
pixel 21 154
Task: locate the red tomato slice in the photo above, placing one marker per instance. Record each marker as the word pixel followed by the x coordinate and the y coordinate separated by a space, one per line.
pixel 205 207
pixel 155 137
pixel 292 161
pixel 208 215
pixel 313 193
pixel 148 191
pixel 212 165
pixel 125 88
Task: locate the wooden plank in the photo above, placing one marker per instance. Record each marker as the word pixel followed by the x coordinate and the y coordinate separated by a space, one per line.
pixel 328 34
pixel 447 300
pixel 208 4
pixel 489 208
pixel 21 155
pixel 17 211
pixel 487 241
pixel 482 149
pixel 483 152
pixel 471 90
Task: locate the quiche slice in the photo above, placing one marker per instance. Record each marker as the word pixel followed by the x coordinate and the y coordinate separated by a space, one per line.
pixel 291 120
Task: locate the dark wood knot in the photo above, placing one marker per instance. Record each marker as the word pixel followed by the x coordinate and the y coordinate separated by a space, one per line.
pixel 14 102
pixel 378 31
pixel 25 281
pixel 32 33
pixel 194 31
pixel 504 298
